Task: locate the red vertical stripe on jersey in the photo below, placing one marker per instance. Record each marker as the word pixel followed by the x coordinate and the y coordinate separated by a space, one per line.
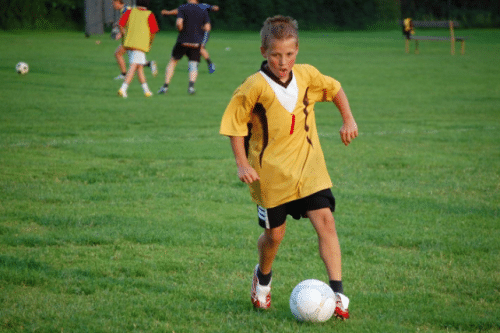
pixel 293 124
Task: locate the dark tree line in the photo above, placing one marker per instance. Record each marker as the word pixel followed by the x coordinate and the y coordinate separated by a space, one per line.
pixel 471 13
pixel 248 15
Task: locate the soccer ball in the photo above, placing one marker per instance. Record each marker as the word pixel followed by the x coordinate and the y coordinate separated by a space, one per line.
pixel 22 68
pixel 312 300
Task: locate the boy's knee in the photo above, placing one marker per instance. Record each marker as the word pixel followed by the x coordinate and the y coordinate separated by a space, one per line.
pixel 277 238
pixel 323 222
pixel 328 222
pixel 276 235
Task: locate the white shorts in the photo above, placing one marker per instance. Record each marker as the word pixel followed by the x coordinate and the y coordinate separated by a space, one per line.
pixel 136 57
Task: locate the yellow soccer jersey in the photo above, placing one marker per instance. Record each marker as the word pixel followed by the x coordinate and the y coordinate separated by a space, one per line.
pixel 279 124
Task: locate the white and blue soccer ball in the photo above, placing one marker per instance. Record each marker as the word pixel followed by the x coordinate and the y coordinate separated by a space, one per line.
pixel 22 68
pixel 312 300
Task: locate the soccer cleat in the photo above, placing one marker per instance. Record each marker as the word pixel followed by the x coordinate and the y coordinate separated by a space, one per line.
pixel 122 93
pixel 211 68
pixel 120 77
pixel 191 91
pixel 341 304
pixel 154 68
pixel 163 90
pixel 260 295
pixel 148 94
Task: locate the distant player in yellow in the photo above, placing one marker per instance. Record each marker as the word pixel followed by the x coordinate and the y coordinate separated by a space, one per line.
pixel 138 26
pixel 271 124
pixel 120 6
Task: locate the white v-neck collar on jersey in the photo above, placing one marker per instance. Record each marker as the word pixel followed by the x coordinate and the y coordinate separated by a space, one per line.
pixel 287 96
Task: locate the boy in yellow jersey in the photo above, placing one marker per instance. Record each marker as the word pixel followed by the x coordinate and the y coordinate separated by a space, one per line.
pixel 271 124
pixel 139 27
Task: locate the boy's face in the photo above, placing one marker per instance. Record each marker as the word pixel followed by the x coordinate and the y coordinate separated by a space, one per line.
pixel 281 56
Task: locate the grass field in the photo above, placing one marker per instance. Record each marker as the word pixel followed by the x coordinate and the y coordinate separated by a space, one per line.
pixel 127 215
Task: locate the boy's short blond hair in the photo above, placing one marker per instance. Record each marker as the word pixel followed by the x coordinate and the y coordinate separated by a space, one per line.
pixel 277 28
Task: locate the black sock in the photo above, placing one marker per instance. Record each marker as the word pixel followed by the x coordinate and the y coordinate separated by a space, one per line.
pixel 148 64
pixel 165 85
pixel 124 73
pixel 209 61
pixel 191 84
pixel 264 279
pixel 336 286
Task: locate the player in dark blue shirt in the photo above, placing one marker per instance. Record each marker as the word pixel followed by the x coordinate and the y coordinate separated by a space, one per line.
pixel 193 25
pixel 203 51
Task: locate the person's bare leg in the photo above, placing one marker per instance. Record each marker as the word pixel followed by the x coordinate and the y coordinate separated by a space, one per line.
pixel 169 71
pixel 140 74
pixel 268 245
pixel 120 51
pixel 204 53
pixel 329 247
pixel 131 73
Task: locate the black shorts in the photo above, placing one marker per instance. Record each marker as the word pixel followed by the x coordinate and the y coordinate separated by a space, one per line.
pixel 179 51
pixel 275 217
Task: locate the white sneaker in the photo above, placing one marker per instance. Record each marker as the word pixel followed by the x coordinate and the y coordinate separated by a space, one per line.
pixel 341 305
pixel 260 295
pixel 122 93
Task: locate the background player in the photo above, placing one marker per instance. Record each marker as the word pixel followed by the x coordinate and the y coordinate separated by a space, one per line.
pixel 120 50
pixel 138 26
pixel 193 25
pixel 203 51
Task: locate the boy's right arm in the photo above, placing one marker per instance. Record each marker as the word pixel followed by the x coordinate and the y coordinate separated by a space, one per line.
pixel 246 173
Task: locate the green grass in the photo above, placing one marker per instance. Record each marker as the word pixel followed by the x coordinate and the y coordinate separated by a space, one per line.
pixel 127 215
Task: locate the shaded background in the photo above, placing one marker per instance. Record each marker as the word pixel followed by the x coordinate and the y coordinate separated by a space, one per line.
pixel 96 16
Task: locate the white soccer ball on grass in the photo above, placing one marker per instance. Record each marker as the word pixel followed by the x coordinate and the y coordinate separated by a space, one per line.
pixel 22 68
pixel 312 300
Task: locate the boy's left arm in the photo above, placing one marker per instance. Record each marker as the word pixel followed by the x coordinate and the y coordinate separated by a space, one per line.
pixel 349 129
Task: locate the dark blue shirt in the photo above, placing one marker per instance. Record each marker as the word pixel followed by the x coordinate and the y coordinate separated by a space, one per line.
pixel 205 6
pixel 194 19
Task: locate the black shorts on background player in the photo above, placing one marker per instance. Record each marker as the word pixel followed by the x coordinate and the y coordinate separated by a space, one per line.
pixel 193 53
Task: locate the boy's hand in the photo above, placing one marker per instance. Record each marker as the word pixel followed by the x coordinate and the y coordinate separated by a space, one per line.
pixel 348 132
pixel 247 174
